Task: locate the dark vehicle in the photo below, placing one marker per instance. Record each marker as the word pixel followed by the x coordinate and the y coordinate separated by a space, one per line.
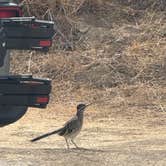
pixel 18 92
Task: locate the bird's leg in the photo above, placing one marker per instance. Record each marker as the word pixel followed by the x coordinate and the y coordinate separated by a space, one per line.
pixel 74 143
pixel 67 143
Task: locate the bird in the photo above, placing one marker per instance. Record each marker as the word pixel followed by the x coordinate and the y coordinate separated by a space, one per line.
pixel 71 128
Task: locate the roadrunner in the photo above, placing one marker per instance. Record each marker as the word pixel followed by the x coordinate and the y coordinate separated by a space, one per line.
pixel 71 128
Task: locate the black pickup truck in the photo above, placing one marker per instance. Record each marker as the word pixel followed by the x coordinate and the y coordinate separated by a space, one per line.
pixel 18 92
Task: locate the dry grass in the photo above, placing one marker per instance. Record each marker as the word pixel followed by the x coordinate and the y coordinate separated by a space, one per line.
pixel 132 52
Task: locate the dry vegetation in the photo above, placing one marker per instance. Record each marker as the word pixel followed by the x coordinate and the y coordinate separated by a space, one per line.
pixel 100 47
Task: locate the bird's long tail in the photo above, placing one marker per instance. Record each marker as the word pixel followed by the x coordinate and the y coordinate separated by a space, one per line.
pixel 46 135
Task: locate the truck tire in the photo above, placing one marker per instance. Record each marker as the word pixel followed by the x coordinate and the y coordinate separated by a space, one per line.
pixel 10 114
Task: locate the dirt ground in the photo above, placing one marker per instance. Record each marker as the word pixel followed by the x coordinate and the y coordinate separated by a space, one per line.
pixel 133 136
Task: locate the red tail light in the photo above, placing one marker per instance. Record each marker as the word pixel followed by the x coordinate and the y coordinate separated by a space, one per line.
pixel 6 12
pixel 45 43
pixel 42 100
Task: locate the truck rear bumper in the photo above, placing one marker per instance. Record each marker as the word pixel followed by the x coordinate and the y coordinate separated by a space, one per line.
pixel 24 90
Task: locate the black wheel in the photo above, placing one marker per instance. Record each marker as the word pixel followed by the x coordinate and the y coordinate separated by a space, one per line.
pixel 10 114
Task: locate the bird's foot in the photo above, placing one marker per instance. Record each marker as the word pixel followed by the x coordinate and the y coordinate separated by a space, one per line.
pixel 77 147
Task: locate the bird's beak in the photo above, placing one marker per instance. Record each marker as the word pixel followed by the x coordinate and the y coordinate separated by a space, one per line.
pixel 88 105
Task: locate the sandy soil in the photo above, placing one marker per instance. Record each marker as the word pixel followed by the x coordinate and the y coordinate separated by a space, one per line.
pixel 133 136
